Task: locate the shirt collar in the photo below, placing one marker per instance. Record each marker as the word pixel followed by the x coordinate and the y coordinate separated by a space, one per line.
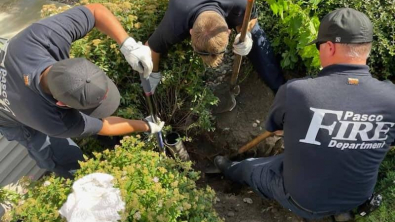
pixel 346 69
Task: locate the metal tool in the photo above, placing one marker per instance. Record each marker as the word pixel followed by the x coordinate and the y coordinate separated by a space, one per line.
pixel 213 169
pixel 148 96
pixel 227 93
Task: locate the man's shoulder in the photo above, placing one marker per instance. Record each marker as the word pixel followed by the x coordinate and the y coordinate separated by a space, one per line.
pixel 47 118
pixel 386 85
pixel 299 82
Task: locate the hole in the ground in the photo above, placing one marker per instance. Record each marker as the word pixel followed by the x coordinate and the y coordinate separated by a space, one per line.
pixel 172 138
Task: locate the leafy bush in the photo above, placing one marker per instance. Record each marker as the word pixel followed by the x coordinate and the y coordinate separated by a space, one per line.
pixel 9 198
pixel 293 31
pixel 154 188
pixel 182 99
pixel 298 21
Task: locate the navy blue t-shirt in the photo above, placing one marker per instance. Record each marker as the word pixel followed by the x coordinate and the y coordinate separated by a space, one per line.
pixel 181 14
pixel 22 101
pixel 337 130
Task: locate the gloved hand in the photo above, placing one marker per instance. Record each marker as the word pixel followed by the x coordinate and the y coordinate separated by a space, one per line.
pixel 242 48
pixel 154 127
pixel 138 56
pixel 150 85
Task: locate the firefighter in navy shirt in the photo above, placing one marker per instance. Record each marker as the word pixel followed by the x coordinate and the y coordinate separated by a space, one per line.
pixel 46 98
pixel 337 127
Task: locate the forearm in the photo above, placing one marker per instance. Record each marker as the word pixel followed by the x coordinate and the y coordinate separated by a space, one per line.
pixel 155 59
pixel 107 23
pixel 114 126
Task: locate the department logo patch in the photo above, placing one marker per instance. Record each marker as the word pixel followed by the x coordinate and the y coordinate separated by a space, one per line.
pixel 353 81
pixel 26 79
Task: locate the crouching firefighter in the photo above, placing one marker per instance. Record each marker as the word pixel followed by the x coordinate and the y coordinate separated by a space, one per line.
pixel 337 127
pixel 47 98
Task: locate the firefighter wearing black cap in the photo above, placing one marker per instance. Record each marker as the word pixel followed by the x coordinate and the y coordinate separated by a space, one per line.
pixel 337 128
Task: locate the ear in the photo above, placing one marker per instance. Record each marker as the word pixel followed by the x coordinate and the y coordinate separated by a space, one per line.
pixel 190 31
pixel 58 103
pixel 331 48
pixel 229 31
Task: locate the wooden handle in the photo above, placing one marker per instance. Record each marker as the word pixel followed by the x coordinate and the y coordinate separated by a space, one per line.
pixel 254 142
pixel 244 27
pixel 246 20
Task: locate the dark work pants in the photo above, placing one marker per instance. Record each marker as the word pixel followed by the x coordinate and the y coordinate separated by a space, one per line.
pixel 58 155
pixel 264 176
pixel 263 59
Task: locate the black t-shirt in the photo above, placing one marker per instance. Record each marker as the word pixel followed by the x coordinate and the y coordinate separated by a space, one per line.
pixel 22 101
pixel 181 14
pixel 337 130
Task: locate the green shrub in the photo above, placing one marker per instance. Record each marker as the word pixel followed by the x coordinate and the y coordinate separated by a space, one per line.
pixel 297 23
pixel 153 187
pixel 291 33
pixel 9 198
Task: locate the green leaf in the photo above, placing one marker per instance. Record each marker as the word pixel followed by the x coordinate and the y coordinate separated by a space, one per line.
pixel 315 2
pixel 274 7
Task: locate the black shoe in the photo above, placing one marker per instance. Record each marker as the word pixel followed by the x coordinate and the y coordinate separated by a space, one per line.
pixel 222 163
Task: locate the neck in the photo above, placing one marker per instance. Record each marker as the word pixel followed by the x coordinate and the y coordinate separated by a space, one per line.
pixel 44 81
pixel 346 61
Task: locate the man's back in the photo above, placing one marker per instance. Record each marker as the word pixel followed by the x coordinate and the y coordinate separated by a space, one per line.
pixel 338 128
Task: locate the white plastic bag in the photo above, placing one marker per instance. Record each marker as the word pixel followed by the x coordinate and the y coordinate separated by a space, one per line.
pixel 94 199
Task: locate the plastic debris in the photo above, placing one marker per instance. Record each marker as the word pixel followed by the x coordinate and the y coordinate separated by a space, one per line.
pixel 93 199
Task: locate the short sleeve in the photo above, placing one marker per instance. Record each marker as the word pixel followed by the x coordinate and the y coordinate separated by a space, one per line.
pixel 76 124
pixel 72 24
pixel 92 125
pixel 275 121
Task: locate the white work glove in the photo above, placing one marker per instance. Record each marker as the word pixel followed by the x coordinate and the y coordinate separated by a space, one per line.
pixel 242 48
pixel 154 127
pixel 138 56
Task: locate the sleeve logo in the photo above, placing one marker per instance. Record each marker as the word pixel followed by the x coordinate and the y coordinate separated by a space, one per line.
pixel 4 102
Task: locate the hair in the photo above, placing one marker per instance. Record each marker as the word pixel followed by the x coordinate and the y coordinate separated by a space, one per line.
pixel 358 50
pixel 210 34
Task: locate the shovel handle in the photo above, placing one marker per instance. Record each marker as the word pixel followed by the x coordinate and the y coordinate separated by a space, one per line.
pixel 246 19
pixel 238 58
pixel 147 88
pixel 255 141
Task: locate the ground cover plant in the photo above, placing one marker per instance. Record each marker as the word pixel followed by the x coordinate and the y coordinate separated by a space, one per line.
pixel 154 188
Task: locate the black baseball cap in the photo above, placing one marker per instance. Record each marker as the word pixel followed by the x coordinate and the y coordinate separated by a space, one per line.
pixel 345 25
pixel 82 85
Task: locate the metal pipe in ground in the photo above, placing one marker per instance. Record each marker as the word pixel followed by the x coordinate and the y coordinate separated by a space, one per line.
pixel 176 146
